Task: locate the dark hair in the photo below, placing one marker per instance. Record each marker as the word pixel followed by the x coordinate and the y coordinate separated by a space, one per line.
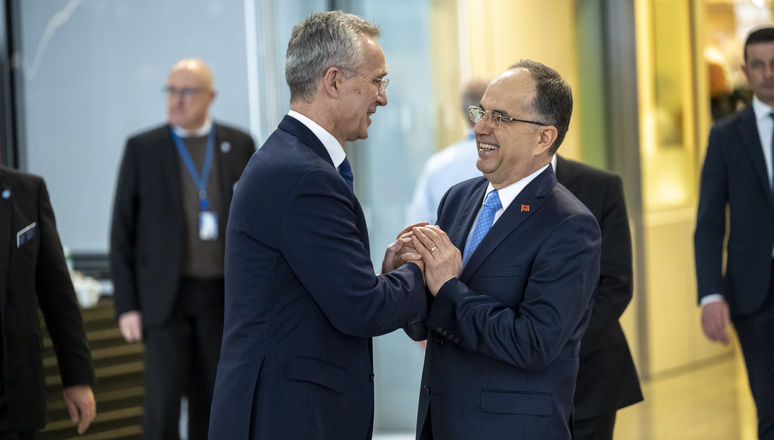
pixel 553 98
pixel 320 42
pixel 762 35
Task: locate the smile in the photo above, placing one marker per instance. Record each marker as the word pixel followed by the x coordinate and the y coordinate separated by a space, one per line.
pixel 482 146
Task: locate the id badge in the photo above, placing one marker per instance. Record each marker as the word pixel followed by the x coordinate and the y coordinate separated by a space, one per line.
pixel 208 225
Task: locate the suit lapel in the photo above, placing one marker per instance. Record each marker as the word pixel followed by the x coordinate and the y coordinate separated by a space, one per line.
pixel 169 158
pixel 524 206
pixel 298 129
pixel 748 130
pixel 461 229
pixel 6 233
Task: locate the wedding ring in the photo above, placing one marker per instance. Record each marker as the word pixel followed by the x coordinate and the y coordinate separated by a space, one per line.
pixel 434 248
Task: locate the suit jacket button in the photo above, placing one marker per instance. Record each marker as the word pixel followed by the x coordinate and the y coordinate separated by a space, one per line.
pixel 456 340
pixel 371 378
pixel 445 332
pixel 440 330
pixel 451 336
pixel 439 341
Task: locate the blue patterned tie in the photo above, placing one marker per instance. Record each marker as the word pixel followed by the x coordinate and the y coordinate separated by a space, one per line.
pixel 346 172
pixel 483 223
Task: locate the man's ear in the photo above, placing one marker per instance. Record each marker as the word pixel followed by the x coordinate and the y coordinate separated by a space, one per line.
pixel 331 81
pixel 546 137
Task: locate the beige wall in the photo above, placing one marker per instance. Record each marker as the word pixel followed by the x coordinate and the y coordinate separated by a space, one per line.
pixel 499 33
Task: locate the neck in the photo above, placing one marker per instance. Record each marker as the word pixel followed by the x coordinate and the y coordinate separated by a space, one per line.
pixel 324 117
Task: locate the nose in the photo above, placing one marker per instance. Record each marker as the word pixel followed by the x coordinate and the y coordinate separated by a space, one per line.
pixel 482 127
pixel 381 98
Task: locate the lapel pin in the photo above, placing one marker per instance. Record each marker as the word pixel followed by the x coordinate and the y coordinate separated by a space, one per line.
pixel 225 147
pixel 6 194
pixel 524 208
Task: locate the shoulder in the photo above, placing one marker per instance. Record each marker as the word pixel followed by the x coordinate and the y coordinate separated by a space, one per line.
pixel 570 169
pixel 567 204
pixel 231 131
pixel 20 181
pixel 730 123
pixel 149 138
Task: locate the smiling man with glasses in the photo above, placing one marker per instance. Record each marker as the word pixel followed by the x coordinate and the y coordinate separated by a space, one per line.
pixel 509 309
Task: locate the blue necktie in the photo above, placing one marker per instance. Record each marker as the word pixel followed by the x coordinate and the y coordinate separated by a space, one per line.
pixel 346 172
pixel 772 153
pixel 483 223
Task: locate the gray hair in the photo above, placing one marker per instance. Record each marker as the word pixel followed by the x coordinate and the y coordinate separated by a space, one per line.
pixel 553 98
pixel 324 40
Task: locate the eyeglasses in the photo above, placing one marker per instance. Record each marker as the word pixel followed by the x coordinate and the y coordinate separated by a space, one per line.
pixel 185 92
pixel 492 117
pixel 381 83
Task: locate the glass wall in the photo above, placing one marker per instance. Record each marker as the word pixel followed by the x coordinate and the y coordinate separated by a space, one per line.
pixel 91 74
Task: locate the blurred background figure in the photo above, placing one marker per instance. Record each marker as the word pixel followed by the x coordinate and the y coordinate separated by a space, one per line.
pixel 453 164
pixel 33 274
pixel 607 378
pixel 167 246
pixel 734 237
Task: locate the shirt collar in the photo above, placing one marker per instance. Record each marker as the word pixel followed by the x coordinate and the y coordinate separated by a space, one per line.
pixel 330 143
pixel 204 130
pixel 761 110
pixel 509 193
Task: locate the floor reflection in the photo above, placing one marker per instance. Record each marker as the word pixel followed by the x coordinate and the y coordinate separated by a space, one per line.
pixel 711 401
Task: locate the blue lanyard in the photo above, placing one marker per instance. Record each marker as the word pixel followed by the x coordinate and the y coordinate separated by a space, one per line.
pixel 199 180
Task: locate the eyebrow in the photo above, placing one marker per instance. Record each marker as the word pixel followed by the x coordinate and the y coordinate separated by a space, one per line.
pixel 502 112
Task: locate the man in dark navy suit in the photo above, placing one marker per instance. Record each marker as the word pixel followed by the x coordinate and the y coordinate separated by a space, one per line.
pixel 302 299
pixel 506 321
pixel 736 184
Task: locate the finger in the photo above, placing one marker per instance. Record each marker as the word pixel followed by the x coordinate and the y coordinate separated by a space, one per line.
pixel 433 234
pixel 72 408
pixel 420 247
pixel 409 228
pixel 427 242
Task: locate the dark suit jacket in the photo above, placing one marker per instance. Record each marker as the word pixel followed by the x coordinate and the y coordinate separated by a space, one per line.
pixel 302 300
pixel 734 175
pixel 146 239
pixel 607 378
pixel 34 275
pixel 503 340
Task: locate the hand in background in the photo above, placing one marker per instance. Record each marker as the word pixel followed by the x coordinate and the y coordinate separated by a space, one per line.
pixel 715 317
pixel 130 324
pixel 442 260
pixel 81 405
pixel 400 251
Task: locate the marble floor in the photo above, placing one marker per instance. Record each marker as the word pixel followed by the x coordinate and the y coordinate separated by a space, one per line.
pixel 709 401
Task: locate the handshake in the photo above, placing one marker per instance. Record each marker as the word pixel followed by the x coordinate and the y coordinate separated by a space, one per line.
pixel 429 248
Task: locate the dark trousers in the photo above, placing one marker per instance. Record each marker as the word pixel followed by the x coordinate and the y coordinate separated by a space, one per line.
pixel 181 359
pixel 595 428
pixel 756 336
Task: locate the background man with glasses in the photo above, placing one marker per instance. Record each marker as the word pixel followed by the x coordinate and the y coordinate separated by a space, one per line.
pixel 302 299
pixel 167 246
pixel 510 308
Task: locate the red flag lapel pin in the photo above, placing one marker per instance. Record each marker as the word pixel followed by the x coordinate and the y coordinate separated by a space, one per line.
pixel 524 208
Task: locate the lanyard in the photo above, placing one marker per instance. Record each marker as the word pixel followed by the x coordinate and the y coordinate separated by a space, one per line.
pixel 199 180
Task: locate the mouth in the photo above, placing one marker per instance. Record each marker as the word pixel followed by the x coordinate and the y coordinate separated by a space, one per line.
pixel 487 147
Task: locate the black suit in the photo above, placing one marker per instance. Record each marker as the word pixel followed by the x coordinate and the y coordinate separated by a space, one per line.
pixel 182 320
pixel 33 274
pixel 607 379
pixel 735 195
